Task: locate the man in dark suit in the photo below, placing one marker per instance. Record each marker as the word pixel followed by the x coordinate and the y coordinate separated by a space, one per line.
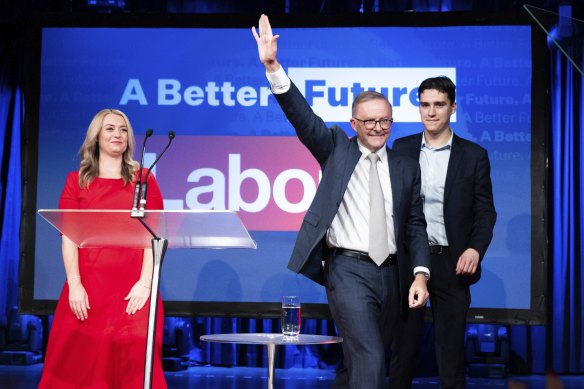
pixel 365 284
pixel 459 210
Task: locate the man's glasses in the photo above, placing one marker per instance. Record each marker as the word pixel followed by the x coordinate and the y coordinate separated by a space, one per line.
pixel 370 124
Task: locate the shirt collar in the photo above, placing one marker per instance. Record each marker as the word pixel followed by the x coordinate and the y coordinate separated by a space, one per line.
pixel 382 152
pixel 447 146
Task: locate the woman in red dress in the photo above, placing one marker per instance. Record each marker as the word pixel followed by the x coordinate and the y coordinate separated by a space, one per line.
pixel 98 335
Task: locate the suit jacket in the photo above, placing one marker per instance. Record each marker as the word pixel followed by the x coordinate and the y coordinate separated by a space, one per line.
pixel 338 155
pixel 469 211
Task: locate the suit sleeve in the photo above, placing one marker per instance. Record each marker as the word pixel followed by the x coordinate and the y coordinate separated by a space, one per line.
pixel 309 127
pixel 416 234
pixel 484 208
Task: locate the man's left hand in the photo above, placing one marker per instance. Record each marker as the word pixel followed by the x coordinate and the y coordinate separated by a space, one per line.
pixel 418 292
pixel 467 263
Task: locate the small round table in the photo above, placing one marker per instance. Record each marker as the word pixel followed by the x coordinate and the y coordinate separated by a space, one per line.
pixel 271 341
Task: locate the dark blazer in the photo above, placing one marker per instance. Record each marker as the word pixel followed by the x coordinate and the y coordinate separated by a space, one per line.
pixel 338 155
pixel 469 210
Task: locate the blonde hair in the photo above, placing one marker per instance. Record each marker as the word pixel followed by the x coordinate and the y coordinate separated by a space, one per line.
pixel 89 151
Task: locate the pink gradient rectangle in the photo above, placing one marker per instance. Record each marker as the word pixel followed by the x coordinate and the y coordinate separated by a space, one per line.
pixel 269 180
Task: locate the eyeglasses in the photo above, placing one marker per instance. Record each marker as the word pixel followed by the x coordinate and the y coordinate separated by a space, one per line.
pixel 370 124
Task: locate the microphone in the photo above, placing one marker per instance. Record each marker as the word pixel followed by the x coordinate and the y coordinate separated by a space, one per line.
pixel 138 188
pixel 145 183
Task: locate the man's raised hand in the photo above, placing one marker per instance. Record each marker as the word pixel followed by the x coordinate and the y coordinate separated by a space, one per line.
pixel 267 44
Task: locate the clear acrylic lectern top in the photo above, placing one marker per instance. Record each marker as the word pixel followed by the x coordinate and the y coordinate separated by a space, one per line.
pixel 182 229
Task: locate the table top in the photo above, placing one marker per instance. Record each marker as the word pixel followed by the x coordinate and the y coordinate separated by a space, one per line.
pixel 270 339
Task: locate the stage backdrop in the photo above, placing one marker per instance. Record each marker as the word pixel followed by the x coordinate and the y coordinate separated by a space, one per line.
pixel 234 149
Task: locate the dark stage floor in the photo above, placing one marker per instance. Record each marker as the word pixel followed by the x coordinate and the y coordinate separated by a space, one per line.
pixel 206 377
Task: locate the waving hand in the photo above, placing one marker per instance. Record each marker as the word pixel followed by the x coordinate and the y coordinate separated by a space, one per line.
pixel 267 44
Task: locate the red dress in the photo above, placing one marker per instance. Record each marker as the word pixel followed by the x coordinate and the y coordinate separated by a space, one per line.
pixel 108 349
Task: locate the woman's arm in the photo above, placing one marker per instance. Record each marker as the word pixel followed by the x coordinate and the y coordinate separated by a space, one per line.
pixel 78 298
pixel 140 292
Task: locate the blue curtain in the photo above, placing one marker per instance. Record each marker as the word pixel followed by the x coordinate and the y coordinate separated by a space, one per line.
pixel 11 120
pixel 567 303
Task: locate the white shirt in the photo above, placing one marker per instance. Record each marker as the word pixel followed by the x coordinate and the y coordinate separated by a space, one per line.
pixel 279 81
pixel 350 227
pixel 434 165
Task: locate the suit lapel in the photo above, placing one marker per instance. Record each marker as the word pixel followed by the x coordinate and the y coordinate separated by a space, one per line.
pixel 456 156
pixel 353 155
pixel 395 176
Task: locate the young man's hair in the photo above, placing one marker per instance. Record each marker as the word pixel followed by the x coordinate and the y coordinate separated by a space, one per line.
pixel 442 84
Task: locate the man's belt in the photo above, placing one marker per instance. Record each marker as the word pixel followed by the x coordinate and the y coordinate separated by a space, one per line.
pixel 435 249
pixel 391 260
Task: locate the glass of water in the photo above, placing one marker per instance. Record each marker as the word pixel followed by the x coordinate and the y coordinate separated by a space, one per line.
pixel 290 315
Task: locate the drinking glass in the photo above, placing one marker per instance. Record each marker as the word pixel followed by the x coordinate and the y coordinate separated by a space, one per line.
pixel 290 315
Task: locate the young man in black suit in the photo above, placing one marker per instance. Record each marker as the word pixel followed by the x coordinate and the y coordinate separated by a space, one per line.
pixel 460 213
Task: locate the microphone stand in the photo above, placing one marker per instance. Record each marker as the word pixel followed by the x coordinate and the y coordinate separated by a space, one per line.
pixel 144 190
pixel 159 246
pixel 138 190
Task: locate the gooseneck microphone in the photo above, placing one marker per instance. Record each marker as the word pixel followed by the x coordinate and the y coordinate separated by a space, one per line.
pixel 145 182
pixel 138 189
